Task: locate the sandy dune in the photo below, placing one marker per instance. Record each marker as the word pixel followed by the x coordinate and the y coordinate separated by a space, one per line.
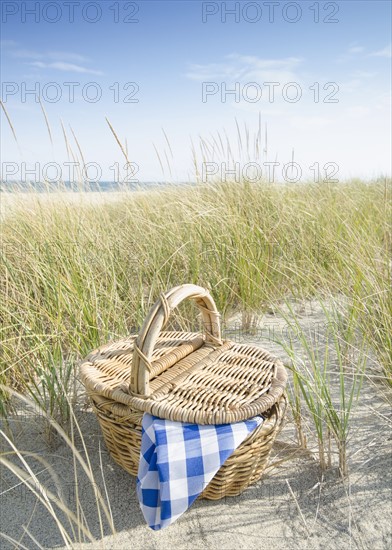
pixel 294 506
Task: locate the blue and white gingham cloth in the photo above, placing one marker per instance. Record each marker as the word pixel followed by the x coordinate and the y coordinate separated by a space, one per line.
pixel 178 460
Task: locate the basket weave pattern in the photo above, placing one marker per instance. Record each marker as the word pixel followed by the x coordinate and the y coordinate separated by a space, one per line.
pixel 187 377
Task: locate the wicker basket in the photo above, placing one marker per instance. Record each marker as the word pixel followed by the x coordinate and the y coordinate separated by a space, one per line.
pixel 188 377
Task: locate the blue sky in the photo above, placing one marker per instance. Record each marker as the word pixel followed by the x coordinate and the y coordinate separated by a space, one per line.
pixel 166 53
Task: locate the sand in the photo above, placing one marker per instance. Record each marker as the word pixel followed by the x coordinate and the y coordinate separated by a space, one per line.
pixel 293 506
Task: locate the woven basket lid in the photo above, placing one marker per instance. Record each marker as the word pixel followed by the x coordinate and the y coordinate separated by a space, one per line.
pixel 185 376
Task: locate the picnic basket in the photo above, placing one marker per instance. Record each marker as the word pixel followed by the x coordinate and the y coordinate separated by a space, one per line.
pixel 187 377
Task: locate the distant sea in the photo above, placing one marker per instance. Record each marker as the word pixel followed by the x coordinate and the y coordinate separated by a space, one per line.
pixel 102 186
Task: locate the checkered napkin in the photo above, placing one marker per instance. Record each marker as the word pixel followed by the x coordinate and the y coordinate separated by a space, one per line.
pixel 178 460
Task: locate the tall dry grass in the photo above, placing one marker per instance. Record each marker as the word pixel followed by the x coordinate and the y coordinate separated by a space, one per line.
pixel 74 276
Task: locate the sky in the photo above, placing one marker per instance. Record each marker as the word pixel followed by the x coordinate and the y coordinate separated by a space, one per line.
pixel 236 85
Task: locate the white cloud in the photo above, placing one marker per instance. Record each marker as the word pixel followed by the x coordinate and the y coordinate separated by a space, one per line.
pixel 58 60
pixel 53 55
pixel 356 49
pixel 246 68
pixel 385 52
pixel 212 71
pixel 67 56
pixel 15 50
pixel 61 66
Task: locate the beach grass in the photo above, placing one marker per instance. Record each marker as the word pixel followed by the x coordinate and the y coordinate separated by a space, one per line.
pixel 77 274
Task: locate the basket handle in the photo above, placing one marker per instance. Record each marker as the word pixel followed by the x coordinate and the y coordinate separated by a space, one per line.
pixel 157 319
